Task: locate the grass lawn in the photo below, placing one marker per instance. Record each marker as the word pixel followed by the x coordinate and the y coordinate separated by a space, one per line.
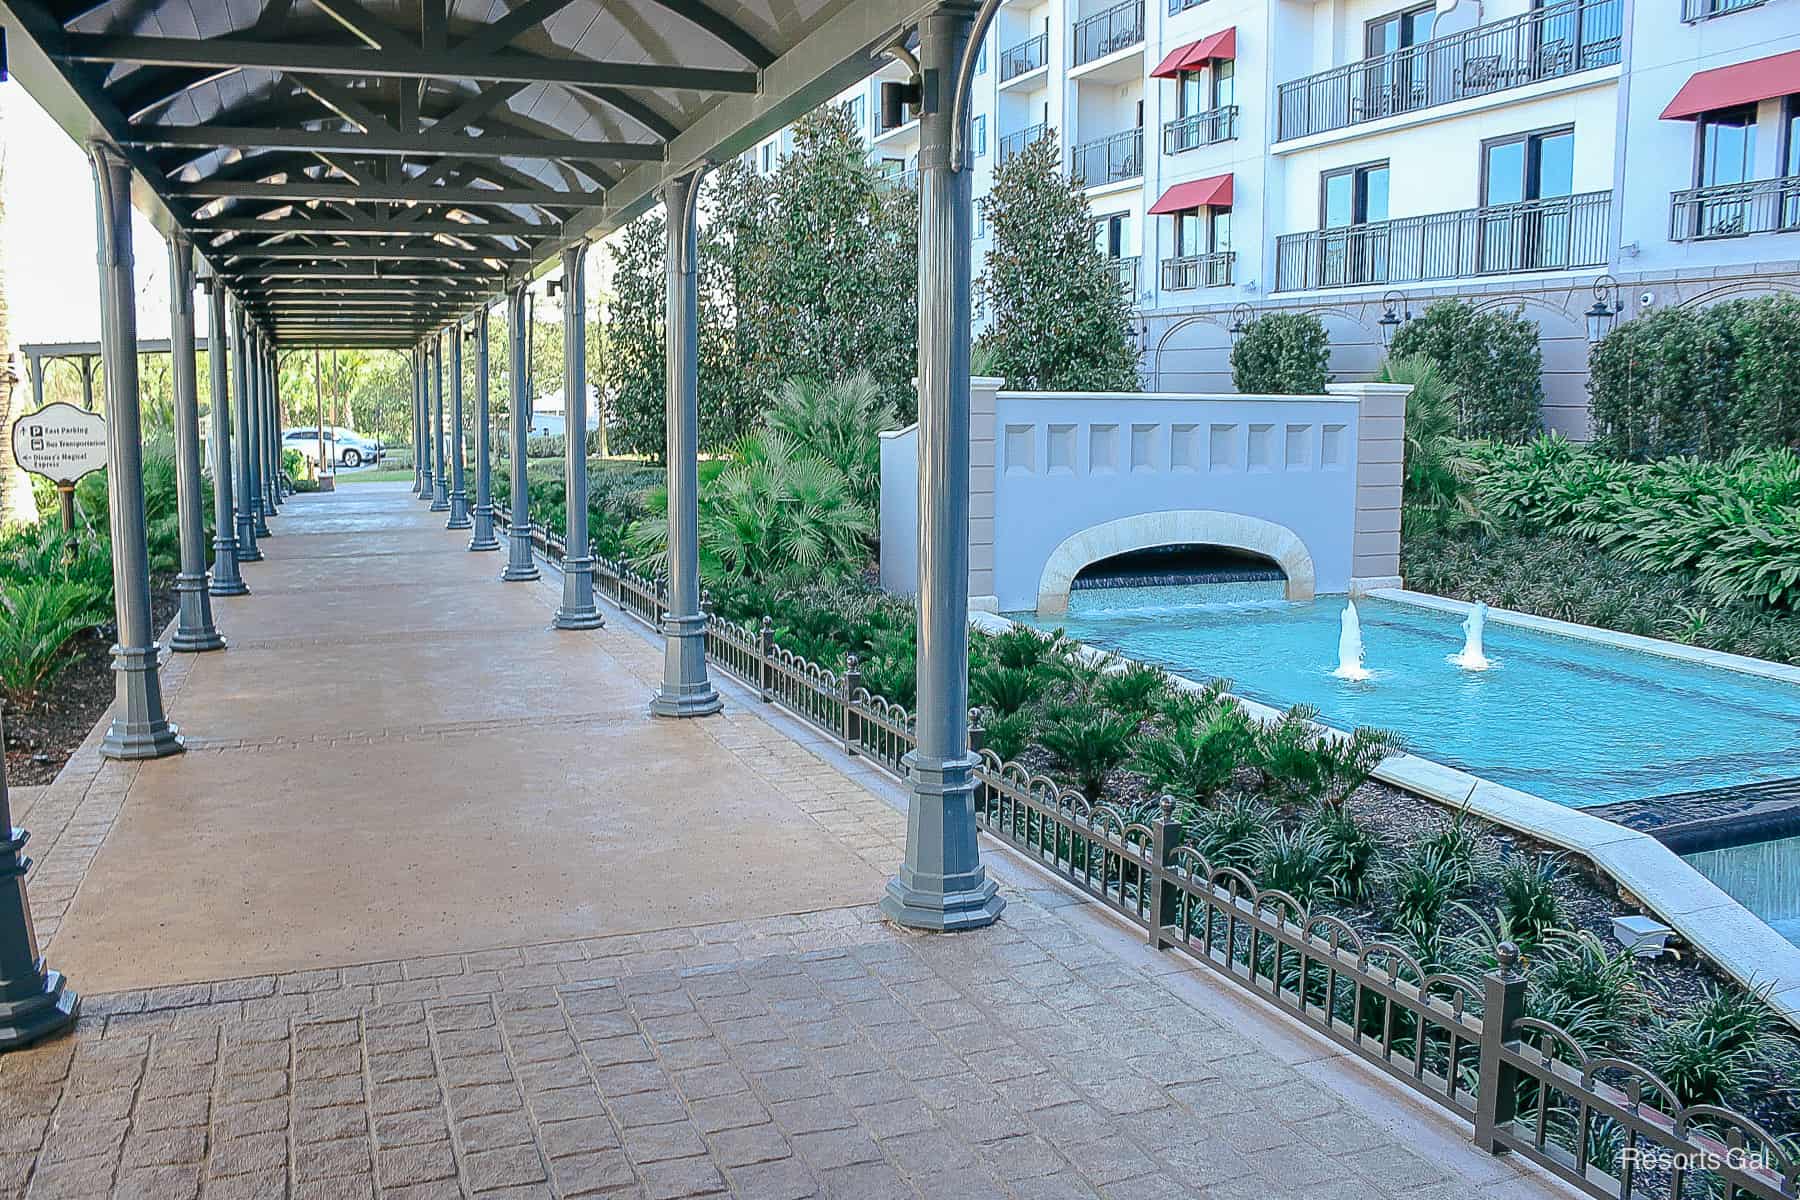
pixel 376 476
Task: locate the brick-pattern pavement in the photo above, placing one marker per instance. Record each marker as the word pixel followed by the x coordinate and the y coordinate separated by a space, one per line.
pixel 824 1055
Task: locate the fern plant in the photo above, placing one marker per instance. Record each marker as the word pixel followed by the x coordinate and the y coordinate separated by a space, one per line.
pixel 37 619
pixel 1089 744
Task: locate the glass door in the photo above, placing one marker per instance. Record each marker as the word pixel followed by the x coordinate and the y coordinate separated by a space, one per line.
pixel 1524 222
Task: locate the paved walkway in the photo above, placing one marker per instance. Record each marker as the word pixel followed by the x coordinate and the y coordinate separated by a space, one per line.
pixel 433 909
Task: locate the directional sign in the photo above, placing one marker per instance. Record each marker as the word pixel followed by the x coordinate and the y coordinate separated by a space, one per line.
pixel 60 442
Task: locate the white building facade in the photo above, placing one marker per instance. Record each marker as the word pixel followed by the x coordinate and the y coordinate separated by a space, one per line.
pixel 1352 157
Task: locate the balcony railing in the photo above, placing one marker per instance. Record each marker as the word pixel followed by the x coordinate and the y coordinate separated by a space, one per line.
pixel 1200 129
pixel 1548 43
pixel 1534 235
pixel 1012 143
pixel 1703 10
pixel 1104 33
pixel 1025 57
pixel 1127 271
pixel 1181 6
pixel 1191 271
pixel 1109 159
pixel 1735 209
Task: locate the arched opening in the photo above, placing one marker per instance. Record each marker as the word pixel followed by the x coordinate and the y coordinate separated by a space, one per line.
pixel 1182 563
pixel 1191 539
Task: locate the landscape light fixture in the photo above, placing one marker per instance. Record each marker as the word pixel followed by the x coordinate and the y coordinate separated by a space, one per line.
pixel 1396 312
pixel 1605 310
pixel 1241 316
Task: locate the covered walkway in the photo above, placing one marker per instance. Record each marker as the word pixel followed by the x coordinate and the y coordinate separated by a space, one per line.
pixel 434 908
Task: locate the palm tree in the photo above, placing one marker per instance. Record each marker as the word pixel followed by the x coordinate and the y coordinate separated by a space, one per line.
pixel 17 502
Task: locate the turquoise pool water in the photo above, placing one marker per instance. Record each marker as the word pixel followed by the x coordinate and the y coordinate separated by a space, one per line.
pixel 1764 878
pixel 1574 721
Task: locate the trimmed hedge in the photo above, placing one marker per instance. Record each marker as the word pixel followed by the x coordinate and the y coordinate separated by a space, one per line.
pixel 1281 354
pixel 1705 381
pixel 1491 360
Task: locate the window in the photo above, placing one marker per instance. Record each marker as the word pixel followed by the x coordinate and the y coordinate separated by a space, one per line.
pixel 978 128
pixel 768 157
pixel 1354 202
pixel 1202 231
pixel 1409 27
pixel 1354 196
pixel 1727 146
pixel 980 220
pixel 858 107
pixel 1790 136
pixel 1112 234
pixel 1522 177
pixel 1202 91
pixel 981 58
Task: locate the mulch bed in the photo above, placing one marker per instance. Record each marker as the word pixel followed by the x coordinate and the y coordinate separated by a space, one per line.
pixel 42 734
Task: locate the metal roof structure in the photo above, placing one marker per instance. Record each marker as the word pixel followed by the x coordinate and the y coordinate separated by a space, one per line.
pixel 360 172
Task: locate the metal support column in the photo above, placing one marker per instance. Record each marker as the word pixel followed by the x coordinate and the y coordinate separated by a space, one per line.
pixel 520 565
pixel 194 629
pixel 412 362
pixel 685 691
pixel 35 1001
pixel 459 489
pixel 139 727
pixel 941 883
pixel 259 427
pixel 245 482
pixel 578 610
pixel 440 496
pixel 422 447
pixel 227 580
pixel 483 537
pixel 278 484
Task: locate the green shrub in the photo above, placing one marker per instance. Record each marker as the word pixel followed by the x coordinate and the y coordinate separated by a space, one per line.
pixel 1004 690
pixel 1591 989
pixel 1529 906
pixel 1229 835
pixel 1699 381
pixel 1422 886
pixel 1286 751
pixel 1345 764
pixel 37 619
pixel 840 422
pixel 1133 689
pixel 1490 362
pixel 1734 524
pixel 1349 850
pixel 1281 354
pixel 1197 757
pixel 1432 478
pixel 1723 1046
pixel 1089 744
pixel 1295 861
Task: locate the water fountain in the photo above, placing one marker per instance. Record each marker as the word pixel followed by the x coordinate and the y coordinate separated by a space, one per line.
pixel 1471 657
pixel 1350 645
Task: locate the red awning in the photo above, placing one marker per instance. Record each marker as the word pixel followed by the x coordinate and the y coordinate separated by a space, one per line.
pixel 1740 83
pixel 1191 56
pixel 1213 191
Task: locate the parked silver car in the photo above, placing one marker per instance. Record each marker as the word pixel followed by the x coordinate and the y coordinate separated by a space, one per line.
pixel 345 447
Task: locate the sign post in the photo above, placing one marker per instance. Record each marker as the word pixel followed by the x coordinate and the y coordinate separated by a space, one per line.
pixel 62 443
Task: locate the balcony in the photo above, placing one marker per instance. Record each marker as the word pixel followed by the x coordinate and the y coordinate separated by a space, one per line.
pixel 1127 271
pixel 1191 271
pixel 1109 159
pixel 1534 235
pixel 1705 10
pixel 1025 57
pixel 1118 28
pixel 1549 43
pixel 1200 129
pixel 1735 210
pixel 1012 143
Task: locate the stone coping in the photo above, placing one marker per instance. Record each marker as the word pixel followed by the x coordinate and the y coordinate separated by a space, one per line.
pixel 1738 941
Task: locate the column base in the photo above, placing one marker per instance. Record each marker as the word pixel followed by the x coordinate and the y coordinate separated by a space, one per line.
pixel 228 587
pixel 484 538
pixel 514 573
pixel 426 490
pixel 247 549
pixel 579 618
pixel 459 513
pixel 194 629
pixel 440 502
pixel 939 911
pixel 578 610
pixel 132 741
pixel 198 642
pixel 36 1007
pixel 703 703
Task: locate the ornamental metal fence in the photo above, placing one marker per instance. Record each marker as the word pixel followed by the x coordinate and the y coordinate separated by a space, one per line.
pixel 1605 1125
pixel 1108 32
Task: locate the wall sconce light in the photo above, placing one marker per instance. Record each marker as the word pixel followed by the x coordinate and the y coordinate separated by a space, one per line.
pixel 1395 312
pixel 1605 310
pixel 1241 316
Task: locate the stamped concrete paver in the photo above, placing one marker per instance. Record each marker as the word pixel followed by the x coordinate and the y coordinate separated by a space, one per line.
pixel 660 972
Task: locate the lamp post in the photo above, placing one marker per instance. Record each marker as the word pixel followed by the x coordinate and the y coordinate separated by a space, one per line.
pixel 1604 312
pixel 1396 311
